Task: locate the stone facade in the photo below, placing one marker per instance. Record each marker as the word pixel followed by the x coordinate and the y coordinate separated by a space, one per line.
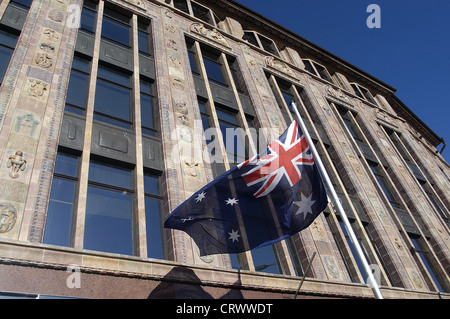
pixel 32 99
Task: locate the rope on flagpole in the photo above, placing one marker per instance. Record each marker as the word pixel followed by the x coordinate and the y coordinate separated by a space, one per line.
pixel 370 278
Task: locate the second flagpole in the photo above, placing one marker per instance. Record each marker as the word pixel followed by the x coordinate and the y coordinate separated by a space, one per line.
pixel 370 278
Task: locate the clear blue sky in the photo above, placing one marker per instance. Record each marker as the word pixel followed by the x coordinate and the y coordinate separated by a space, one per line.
pixel 411 50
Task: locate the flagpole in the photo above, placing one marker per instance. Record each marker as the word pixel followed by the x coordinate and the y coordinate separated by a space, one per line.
pixel 370 278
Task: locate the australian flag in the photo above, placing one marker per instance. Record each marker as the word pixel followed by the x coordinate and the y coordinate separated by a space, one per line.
pixel 261 201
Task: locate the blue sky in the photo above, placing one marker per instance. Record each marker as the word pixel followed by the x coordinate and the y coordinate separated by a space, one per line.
pixel 411 50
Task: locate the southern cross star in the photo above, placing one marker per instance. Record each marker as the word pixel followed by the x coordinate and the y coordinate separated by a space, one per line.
pixel 231 201
pixel 234 236
pixel 200 197
pixel 305 205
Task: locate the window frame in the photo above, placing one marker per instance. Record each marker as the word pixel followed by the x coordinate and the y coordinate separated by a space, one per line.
pixel 315 71
pixel 275 51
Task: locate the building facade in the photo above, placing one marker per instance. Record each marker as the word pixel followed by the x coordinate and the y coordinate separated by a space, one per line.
pixel 112 113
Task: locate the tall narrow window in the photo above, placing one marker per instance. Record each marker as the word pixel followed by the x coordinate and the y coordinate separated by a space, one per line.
pixel 382 182
pixel 153 218
pixel 88 16
pixel 144 41
pixel 108 224
pixel 8 40
pixel 147 107
pixel 62 196
pixel 213 67
pixel 232 135
pixel 78 86
pixel 113 97
pixel 423 254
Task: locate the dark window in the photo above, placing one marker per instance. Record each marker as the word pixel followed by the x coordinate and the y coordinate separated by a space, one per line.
pixel 147 108
pixel 8 42
pixel 202 13
pixel 357 92
pixel 78 86
pixel 108 225
pixel 236 74
pixel 265 260
pixel 192 56
pixel 309 67
pixel 144 41
pixel 426 261
pixel 113 97
pixel 88 17
pixel 268 45
pixel 153 218
pixel 232 134
pixel 62 196
pixel 181 5
pixel 382 182
pixel 353 249
pixel 116 27
pixel 24 3
pixel 251 38
pixel 213 67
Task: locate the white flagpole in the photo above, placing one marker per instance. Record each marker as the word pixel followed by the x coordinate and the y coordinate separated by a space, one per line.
pixel 370 278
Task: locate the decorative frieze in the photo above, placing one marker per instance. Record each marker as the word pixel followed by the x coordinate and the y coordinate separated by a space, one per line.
pixel 211 34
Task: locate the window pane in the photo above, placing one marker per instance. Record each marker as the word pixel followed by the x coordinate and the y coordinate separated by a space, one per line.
pixel 251 38
pixel 114 76
pixel 59 214
pixel 76 93
pixel 226 116
pixel 144 45
pixel 147 117
pixel 309 67
pixel 181 5
pixel 201 12
pixel 8 39
pixel 25 3
pixel 5 55
pixel 108 221
pixel 87 20
pixel 112 100
pixel 116 31
pixel 264 260
pixel 214 70
pixel 153 228
pixel 151 184
pixel 110 175
pixel 66 164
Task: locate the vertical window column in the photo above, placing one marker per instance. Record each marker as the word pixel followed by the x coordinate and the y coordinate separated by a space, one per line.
pixel 81 201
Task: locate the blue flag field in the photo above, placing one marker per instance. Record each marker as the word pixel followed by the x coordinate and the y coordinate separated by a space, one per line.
pixel 261 201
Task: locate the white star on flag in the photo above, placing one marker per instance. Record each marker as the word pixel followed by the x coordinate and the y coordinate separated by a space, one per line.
pixel 200 197
pixel 231 201
pixel 234 236
pixel 304 205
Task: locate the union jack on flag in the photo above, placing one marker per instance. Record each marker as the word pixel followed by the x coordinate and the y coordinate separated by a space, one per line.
pixel 282 158
pixel 259 202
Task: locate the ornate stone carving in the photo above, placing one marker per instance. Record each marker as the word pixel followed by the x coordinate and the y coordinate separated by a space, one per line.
pixel 279 65
pixel 337 93
pixel 331 267
pixel 8 216
pixel 43 59
pixel 213 34
pixel 137 3
pixel 26 124
pixel 178 84
pixel 56 15
pixel 37 88
pixel 171 44
pixel 16 163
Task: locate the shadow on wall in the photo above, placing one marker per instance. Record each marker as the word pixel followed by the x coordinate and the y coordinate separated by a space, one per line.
pixel 183 283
